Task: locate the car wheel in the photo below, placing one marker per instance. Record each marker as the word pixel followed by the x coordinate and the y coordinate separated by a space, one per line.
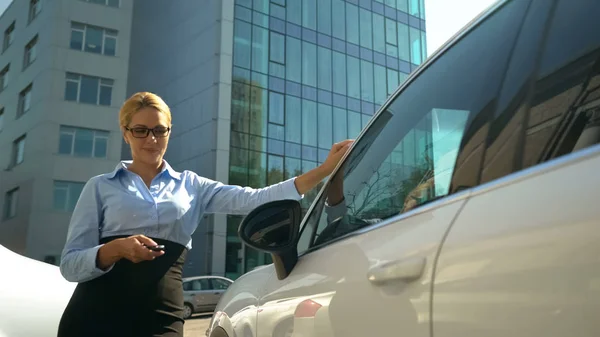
pixel 187 311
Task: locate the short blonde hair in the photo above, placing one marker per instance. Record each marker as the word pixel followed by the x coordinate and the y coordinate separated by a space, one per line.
pixel 139 101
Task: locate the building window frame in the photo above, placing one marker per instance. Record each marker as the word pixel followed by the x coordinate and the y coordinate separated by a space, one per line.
pixel 9 36
pixel 18 151
pixel 74 80
pixel 11 203
pixel 71 133
pixel 24 100
pixel 4 77
pixel 108 3
pixel 78 28
pixel 72 191
pixel 30 54
pixel 35 8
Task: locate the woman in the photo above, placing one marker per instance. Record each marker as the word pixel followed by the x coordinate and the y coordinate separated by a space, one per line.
pixel 127 286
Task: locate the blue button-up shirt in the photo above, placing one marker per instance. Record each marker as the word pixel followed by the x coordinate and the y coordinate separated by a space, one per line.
pixel 120 203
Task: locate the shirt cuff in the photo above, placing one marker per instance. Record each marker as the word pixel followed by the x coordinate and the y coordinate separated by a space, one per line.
pixel 290 191
pixel 90 257
pixel 336 211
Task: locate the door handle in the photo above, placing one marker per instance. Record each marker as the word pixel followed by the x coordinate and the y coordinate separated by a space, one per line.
pixel 403 270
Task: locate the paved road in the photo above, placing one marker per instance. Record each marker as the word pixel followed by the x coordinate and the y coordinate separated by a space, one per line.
pixel 196 326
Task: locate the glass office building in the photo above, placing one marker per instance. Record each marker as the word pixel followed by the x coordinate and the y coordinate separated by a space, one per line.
pixel 307 74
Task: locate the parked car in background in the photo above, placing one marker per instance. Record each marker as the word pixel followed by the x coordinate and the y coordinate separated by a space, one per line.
pixel 466 207
pixel 33 296
pixel 202 293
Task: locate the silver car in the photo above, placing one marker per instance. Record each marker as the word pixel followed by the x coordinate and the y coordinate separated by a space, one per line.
pixel 202 293
pixel 467 207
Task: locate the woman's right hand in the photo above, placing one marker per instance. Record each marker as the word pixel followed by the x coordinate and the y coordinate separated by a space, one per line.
pixel 132 248
pixel 135 248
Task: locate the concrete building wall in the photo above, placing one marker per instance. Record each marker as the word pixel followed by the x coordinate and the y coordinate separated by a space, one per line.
pixel 39 230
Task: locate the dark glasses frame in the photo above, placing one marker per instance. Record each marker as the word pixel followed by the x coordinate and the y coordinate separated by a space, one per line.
pixel 155 131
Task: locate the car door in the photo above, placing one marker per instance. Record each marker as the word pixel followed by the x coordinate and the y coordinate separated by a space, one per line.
pixel 522 257
pixel 218 287
pixel 202 294
pixel 369 242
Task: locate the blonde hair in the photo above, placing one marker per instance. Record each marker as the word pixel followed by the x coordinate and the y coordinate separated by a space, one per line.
pixel 139 101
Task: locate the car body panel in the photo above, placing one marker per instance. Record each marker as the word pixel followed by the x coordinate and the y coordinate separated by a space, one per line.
pixel 31 291
pixel 529 269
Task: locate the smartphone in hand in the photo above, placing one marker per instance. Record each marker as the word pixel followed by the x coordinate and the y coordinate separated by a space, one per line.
pixel 156 248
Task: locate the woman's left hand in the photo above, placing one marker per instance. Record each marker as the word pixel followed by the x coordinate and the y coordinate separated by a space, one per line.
pixel 335 155
pixel 310 179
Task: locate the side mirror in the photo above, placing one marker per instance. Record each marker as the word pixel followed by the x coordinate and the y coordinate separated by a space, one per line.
pixel 274 228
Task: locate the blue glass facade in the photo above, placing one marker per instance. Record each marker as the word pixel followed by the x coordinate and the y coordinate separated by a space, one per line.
pixel 307 74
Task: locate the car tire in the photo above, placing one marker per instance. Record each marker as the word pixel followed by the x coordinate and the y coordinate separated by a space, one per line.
pixel 188 310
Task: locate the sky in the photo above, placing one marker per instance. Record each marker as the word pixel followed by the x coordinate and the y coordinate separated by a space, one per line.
pixel 443 17
pixel 4 4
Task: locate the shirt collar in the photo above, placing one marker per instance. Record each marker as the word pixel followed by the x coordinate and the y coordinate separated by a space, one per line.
pixel 122 165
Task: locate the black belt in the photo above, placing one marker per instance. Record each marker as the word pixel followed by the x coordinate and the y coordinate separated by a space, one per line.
pixel 133 299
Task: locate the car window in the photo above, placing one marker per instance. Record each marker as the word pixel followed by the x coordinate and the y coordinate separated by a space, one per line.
pixel 219 284
pixel 196 285
pixel 500 141
pixel 408 155
pixel 564 113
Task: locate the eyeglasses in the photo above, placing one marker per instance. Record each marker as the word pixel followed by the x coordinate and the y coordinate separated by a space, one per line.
pixel 158 132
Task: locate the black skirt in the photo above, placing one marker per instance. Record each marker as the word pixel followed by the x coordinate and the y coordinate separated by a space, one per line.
pixel 133 299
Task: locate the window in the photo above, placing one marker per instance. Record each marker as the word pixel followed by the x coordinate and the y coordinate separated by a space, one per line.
pixel 219 284
pixel 93 39
pixel 66 194
pixel 379 33
pixel 403 42
pixel 415 46
pixel 260 49
pixel 353 77
pixel 197 285
pixel 24 101
pixel 82 142
pixel 293 118
pixel 35 7
pixel 408 156
pixel 11 203
pixel 309 14
pixel 88 89
pixel 1 119
pixel 565 107
pixel 339 73
pixel 241 44
pixel 309 64
pixel 366 33
pixel 18 151
pixel 351 23
pixel 338 21
pixel 9 36
pixel 277 49
pixel 110 3
pixel 324 69
pixel 293 60
pixel 4 77
pixel 30 52
pixel 324 16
